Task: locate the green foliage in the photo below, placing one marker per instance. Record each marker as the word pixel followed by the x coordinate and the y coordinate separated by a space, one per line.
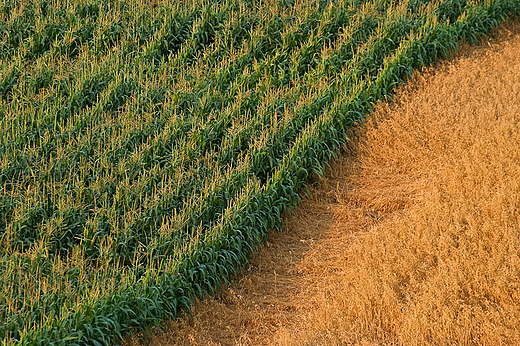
pixel 146 148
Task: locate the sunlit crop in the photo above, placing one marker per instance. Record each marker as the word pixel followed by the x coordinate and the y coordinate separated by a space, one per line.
pixel 147 146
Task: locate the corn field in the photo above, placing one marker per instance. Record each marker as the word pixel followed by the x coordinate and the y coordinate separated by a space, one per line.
pixel 146 147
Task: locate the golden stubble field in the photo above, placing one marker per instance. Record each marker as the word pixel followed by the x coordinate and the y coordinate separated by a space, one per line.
pixel 412 237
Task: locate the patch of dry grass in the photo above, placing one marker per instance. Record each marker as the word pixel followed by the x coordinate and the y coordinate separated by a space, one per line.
pixel 413 238
pixel 443 266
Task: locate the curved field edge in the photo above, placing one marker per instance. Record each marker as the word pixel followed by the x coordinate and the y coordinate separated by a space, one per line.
pixel 213 260
pixel 379 231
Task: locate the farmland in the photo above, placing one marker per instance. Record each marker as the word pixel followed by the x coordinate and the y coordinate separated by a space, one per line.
pixel 146 148
pixel 410 238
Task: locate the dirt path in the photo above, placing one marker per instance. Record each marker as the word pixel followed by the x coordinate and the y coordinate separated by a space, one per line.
pixel 413 236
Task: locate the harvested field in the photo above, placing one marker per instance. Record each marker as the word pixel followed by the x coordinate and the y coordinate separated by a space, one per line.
pixel 411 238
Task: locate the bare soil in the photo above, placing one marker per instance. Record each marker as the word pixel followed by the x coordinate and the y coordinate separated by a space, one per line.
pixel 411 238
